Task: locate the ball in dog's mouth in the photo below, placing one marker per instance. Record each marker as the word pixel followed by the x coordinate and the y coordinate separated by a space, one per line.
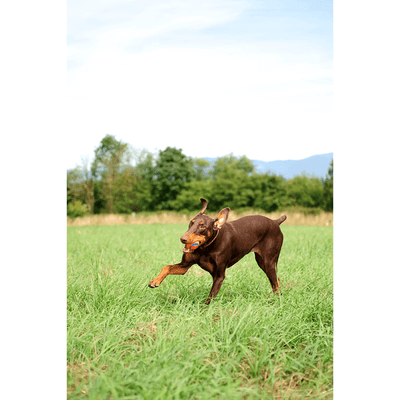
pixel 191 246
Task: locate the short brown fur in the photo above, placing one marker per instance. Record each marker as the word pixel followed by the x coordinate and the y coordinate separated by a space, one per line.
pixel 223 244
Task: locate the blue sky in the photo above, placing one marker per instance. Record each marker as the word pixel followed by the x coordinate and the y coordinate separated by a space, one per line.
pixel 249 77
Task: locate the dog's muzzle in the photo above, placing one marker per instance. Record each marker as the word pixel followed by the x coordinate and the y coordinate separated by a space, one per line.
pixel 190 247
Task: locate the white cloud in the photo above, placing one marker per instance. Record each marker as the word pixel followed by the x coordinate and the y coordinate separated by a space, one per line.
pixel 118 23
pixel 194 97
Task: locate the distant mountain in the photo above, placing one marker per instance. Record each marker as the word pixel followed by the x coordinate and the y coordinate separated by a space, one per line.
pixel 315 165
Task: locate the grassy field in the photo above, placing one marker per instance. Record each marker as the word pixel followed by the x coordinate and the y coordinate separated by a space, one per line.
pixel 127 341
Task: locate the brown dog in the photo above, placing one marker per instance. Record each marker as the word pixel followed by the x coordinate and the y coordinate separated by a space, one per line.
pixel 216 245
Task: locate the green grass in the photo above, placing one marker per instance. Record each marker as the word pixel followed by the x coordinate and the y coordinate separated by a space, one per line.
pixel 127 341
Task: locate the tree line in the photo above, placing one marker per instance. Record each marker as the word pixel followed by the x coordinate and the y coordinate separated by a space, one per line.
pixel 122 179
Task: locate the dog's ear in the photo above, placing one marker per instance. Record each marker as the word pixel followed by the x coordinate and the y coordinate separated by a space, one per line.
pixel 204 202
pixel 221 219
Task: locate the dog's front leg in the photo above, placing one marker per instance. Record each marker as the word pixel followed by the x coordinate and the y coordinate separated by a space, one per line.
pixel 217 282
pixel 177 269
pixel 168 270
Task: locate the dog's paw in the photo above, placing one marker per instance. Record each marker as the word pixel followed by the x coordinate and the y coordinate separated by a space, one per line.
pixel 153 284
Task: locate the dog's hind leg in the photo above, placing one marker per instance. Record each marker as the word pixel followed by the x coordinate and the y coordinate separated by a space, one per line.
pixel 269 267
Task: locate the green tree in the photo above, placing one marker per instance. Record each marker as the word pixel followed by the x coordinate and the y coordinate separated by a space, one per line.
pixel 201 169
pixel 77 209
pixel 169 175
pixel 99 201
pixel 88 185
pixel 227 163
pixel 198 186
pixel 126 196
pixel 144 164
pixel 270 191
pixel 328 189
pixel 79 192
pixel 111 156
pixel 230 183
pixel 74 185
pixel 188 199
pixel 305 191
pixel 144 167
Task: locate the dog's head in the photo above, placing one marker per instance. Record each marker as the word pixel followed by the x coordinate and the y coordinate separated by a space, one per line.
pixel 202 229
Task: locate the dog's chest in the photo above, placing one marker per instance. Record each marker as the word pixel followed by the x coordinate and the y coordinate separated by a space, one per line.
pixel 207 264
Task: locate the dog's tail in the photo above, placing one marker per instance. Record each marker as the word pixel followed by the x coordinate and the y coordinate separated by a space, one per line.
pixel 281 219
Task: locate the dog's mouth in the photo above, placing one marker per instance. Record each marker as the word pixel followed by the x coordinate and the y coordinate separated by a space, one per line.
pixel 189 247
